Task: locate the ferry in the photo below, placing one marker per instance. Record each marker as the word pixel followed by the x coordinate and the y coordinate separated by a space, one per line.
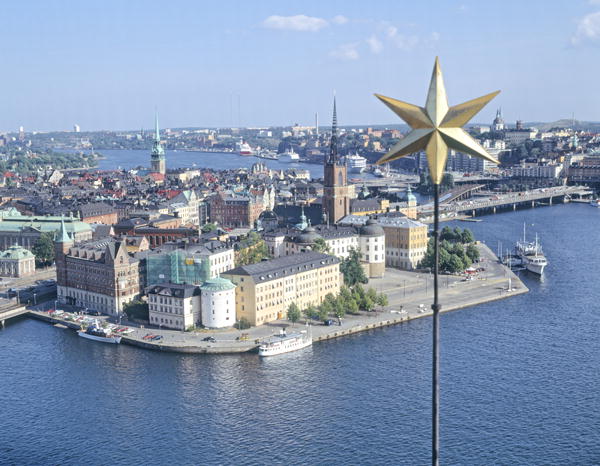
pixel 531 255
pixel 285 343
pixel 289 156
pixel 243 148
pixel 97 333
pixel 355 163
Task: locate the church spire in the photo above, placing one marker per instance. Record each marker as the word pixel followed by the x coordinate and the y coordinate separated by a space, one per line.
pixel 156 130
pixel 332 158
pixel 63 235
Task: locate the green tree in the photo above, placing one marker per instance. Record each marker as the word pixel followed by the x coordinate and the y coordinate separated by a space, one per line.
pixel 136 309
pixel 209 227
pixel 472 252
pixel 311 312
pixel 321 246
pixel 242 324
pixel 455 264
pixel 359 295
pixel 43 249
pixel 325 310
pixel 352 270
pixel 293 313
pixel 382 300
pixel 467 236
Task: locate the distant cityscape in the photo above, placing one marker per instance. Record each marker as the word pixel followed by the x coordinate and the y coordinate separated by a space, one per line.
pixel 203 248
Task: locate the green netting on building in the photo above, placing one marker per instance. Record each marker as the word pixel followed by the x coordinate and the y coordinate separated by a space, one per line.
pixel 177 266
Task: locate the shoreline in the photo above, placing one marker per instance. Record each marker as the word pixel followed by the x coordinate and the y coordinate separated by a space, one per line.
pixel 406 303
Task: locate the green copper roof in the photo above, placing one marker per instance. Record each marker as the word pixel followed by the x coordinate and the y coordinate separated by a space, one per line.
pixel 16 252
pixel 217 284
pixel 157 148
pixel 12 221
pixel 62 236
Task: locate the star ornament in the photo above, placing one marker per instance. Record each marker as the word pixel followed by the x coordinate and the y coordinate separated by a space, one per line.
pixel 437 127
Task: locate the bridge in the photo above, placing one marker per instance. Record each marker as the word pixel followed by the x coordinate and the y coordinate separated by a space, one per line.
pixel 10 312
pixel 494 202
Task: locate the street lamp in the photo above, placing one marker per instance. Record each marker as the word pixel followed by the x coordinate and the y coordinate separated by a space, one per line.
pixel 435 129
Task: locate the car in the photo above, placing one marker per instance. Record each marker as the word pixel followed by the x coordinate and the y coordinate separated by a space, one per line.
pixel 211 339
pixel 328 322
pixel 156 337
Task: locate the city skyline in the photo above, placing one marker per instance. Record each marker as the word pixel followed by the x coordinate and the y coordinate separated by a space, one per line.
pixel 107 66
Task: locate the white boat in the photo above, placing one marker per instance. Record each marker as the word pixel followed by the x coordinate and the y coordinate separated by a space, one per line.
pixel 531 254
pixel 289 156
pixel 595 202
pixel 97 333
pixel 243 148
pixel 285 343
pixel 355 163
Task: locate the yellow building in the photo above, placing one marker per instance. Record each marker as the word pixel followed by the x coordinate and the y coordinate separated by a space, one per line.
pixel 265 290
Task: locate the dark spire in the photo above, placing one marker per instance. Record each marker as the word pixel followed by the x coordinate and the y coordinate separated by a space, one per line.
pixel 332 158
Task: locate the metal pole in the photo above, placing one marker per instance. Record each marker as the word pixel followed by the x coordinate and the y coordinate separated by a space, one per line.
pixel 435 409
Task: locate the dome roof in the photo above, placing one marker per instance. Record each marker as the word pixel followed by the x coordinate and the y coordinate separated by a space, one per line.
pixel 217 284
pixel 267 215
pixel 308 236
pixel 16 252
pixel 371 228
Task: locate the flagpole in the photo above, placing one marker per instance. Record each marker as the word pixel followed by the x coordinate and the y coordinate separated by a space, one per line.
pixel 435 398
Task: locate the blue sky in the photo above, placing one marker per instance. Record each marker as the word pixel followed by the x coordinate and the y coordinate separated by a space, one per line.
pixel 107 65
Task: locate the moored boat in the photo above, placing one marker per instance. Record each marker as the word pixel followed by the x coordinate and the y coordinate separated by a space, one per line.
pixel 289 156
pixel 285 343
pixel 531 255
pixel 98 333
pixel 356 163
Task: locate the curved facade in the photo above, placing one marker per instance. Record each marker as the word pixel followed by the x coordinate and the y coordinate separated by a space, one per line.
pixel 372 247
pixel 217 296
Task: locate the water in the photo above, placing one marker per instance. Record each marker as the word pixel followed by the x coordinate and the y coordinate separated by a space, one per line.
pixel 519 383
pixel 128 159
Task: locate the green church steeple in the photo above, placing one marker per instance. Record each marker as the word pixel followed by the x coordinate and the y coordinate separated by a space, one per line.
pixel 157 156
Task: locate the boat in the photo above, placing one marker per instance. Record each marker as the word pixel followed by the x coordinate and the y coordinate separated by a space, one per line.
pixel 266 154
pixel 595 202
pixel 285 343
pixel 289 156
pixel 243 148
pixel 531 254
pixel 355 163
pixel 98 333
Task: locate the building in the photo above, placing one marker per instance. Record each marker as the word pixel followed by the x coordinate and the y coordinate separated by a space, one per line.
pixel 336 198
pixel 174 306
pixel 157 156
pixel 25 230
pixel 17 262
pixel 98 212
pixel 498 123
pixel 518 136
pixel 218 303
pixel 233 211
pixel 265 290
pixel 98 275
pixel 536 170
pixel 405 239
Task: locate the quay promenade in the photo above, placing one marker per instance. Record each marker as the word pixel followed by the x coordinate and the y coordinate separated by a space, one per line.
pixel 410 295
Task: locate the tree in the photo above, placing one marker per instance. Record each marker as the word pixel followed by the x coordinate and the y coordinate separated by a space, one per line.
pixel 472 252
pixel 43 249
pixel 339 308
pixel 321 246
pixel 242 324
pixel 324 310
pixel 209 227
pixel 455 264
pixel 358 292
pixel 293 313
pixel 136 310
pixel 467 236
pixel 382 300
pixel 311 312
pixel 352 270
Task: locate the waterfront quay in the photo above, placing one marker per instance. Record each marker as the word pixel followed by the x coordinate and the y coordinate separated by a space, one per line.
pixel 410 295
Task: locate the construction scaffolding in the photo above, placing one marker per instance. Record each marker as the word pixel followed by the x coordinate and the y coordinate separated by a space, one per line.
pixel 177 266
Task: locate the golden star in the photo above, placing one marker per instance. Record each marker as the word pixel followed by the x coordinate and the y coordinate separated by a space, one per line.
pixel 436 127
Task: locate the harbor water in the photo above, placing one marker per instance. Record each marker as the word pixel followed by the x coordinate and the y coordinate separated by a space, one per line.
pixel 518 383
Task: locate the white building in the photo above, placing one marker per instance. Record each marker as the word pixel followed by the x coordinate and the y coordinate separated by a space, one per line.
pixel 218 303
pixel 174 306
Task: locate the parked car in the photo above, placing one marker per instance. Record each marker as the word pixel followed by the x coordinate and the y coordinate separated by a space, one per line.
pixel 328 322
pixel 211 339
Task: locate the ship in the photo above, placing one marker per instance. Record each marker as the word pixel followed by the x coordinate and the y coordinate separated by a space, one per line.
pixel 267 154
pixel 98 333
pixel 531 254
pixel 285 343
pixel 289 156
pixel 243 148
pixel 355 163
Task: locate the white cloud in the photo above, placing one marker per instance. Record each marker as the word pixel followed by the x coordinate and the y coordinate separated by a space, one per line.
pixel 295 23
pixel 588 29
pixel 374 44
pixel 346 52
pixel 339 19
